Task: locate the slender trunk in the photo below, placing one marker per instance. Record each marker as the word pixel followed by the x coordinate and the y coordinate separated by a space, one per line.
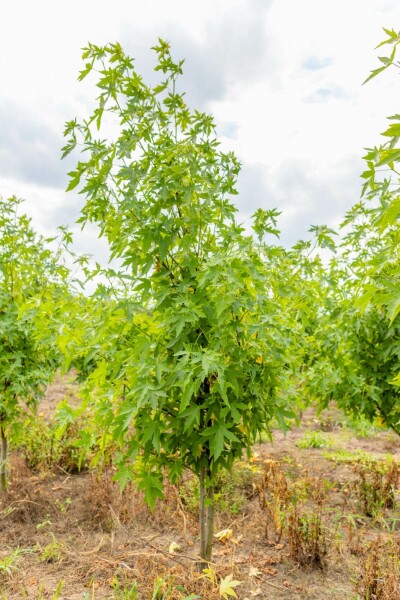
pixel 210 523
pixel 202 516
pixel 206 519
pixel 3 460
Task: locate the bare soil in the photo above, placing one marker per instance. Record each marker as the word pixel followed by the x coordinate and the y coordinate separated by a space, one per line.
pixel 76 528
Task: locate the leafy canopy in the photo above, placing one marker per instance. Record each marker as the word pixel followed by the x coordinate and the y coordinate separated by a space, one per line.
pixel 32 276
pixel 201 313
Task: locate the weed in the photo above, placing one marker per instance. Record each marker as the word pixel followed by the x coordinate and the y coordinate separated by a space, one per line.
pixel 63 505
pixel 346 456
pixel 44 445
pixel 8 563
pixel 359 427
pixel 52 553
pixel 309 488
pixel 42 594
pixel 314 439
pixel 109 507
pixel 44 523
pixel 375 485
pixel 326 423
pixel 307 539
pixel 355 536
pixel 273 495
pixel 56 594
pixel 123 592
pixel 164 588
pixel 379 578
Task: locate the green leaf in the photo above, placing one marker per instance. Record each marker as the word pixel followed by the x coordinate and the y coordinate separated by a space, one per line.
pixel 227 585
pixel 151 484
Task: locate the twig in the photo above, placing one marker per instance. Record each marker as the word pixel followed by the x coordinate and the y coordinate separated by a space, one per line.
pixel 181 509
pixel 86 552
pixel 278 587
pixel 161 551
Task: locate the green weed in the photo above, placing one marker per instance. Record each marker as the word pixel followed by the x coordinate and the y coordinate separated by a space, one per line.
pixel 52 552
pixel 357 456
pixel 164 588
pixel 314 439
pixel 8 563
pixel 45 445
pixel 42 593
pixel 361 427
pixel 123 592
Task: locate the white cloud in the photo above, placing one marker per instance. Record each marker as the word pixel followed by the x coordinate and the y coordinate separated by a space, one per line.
pixel 282 77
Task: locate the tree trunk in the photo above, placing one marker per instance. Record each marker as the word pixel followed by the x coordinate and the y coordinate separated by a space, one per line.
pixel 3 460
pixel 206 519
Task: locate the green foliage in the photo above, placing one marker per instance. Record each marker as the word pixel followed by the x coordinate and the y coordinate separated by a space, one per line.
pixel 314 439
pixel 32 278
pixel 357 356
pixel 360 427
pixel 192 339
pixel 354 355
pixel 45 444
pixel 358 456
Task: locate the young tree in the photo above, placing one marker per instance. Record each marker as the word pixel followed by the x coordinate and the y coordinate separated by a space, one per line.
pixel 31 277
pixel 200 373
pixel 354 353
pixel 382 275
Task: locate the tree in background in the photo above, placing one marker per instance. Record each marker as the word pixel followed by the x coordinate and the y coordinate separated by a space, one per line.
pixel 32 277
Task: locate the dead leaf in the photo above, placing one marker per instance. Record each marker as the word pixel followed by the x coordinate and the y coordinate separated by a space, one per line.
pixel 254 572
pixel 224 535
pixel 173 547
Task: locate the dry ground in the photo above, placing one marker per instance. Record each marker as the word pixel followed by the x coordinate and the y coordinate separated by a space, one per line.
pixel 77 529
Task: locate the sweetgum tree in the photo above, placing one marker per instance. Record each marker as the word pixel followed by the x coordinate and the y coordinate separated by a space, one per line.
pixel 383 194
pixel 371 255
pixel 192 350
pixel 32 276
pixel 356 356
pixel 354 351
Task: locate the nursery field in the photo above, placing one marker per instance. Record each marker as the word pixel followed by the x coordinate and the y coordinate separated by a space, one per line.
pixel 200 445
pixel 313 515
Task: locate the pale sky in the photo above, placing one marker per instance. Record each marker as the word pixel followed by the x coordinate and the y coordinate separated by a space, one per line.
pixel 282 78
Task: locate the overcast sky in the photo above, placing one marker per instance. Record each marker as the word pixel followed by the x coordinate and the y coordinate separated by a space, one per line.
pixel 282 78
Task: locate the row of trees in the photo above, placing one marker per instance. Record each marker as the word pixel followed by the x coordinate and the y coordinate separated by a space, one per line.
pixel 203 335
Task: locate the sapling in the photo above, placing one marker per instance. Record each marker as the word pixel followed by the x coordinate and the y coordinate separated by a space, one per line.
pixel 32 277
pixel 204 308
